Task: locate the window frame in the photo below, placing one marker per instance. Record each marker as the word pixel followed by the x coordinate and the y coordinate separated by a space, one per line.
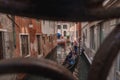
pixel 65 26
pixel 59 27
pixel 26 34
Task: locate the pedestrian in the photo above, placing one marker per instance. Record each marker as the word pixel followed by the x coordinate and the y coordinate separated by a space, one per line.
pixel 75 46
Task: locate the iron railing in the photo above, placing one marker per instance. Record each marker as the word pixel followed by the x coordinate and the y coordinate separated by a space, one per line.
pixel 67 10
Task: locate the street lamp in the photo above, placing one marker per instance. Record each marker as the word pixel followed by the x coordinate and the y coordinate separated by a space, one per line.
pixel 30 25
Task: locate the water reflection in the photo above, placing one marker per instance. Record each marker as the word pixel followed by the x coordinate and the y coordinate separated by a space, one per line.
pixel 62 52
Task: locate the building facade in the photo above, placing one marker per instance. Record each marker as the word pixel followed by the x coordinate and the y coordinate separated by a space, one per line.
pixel 93 34
pixel 68 30
pixel 7 47
pixel 34 38
pixel 6 37
pixel 78 30
pixel 28 37
pixel 63 28
pixel 49 36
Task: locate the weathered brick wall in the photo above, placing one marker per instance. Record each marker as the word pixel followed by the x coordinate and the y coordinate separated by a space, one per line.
pixel 49 45
pixel 7 29
pixel 36 29
pixel 25 29
pixel 78 26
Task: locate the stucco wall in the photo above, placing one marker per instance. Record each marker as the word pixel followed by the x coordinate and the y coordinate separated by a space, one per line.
pixel 7 29
pixel 38 29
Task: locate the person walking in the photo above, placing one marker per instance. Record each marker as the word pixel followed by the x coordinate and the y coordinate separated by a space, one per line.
pixel 75 46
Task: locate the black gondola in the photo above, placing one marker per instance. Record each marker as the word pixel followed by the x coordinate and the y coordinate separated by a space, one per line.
pixel 69 66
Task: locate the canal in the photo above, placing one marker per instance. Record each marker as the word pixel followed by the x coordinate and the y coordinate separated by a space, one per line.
pixel 59 53
pixel 81 70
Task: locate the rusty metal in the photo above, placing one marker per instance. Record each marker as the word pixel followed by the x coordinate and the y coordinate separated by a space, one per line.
pixel 105 56
pixel 40 67
pixel 69 10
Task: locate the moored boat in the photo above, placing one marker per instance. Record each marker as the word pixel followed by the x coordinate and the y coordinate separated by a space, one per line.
pixel 61 41
pixel 71 63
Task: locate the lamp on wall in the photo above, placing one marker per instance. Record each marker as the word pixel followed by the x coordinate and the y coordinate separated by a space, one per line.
pixel 30 25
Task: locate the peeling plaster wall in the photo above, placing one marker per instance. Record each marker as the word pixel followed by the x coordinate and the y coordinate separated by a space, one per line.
pixel 32 32
pixel 7 29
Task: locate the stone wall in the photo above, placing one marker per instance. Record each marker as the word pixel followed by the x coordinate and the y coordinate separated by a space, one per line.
pixel 48 42
pixel 7 30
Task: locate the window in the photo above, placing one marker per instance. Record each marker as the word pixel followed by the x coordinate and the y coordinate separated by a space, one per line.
pixel 92 38
pixel 43 39
pixel 77 35
pixel 39 44
pixel 83 36
pixel 64 26
pixel 112 22
pixel 24 45
pixel 59 26
pixel 101 33
pixel 117 68
pixel 2 50
pixel 64 33
pixel 49 39
pixel 86 34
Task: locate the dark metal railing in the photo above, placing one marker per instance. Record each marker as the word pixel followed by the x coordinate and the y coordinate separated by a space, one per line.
pixel 39 67
pixel 67 10
pixel 105 56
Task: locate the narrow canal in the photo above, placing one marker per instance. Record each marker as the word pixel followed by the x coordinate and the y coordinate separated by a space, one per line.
pixel 62 52
pixel 58 55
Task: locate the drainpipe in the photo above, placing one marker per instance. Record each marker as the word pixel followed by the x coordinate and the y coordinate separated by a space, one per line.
pixel 14 34
pixel 79 36
pixel 13 20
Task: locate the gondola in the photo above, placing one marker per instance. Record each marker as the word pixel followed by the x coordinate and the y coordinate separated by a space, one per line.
pixel 69 66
